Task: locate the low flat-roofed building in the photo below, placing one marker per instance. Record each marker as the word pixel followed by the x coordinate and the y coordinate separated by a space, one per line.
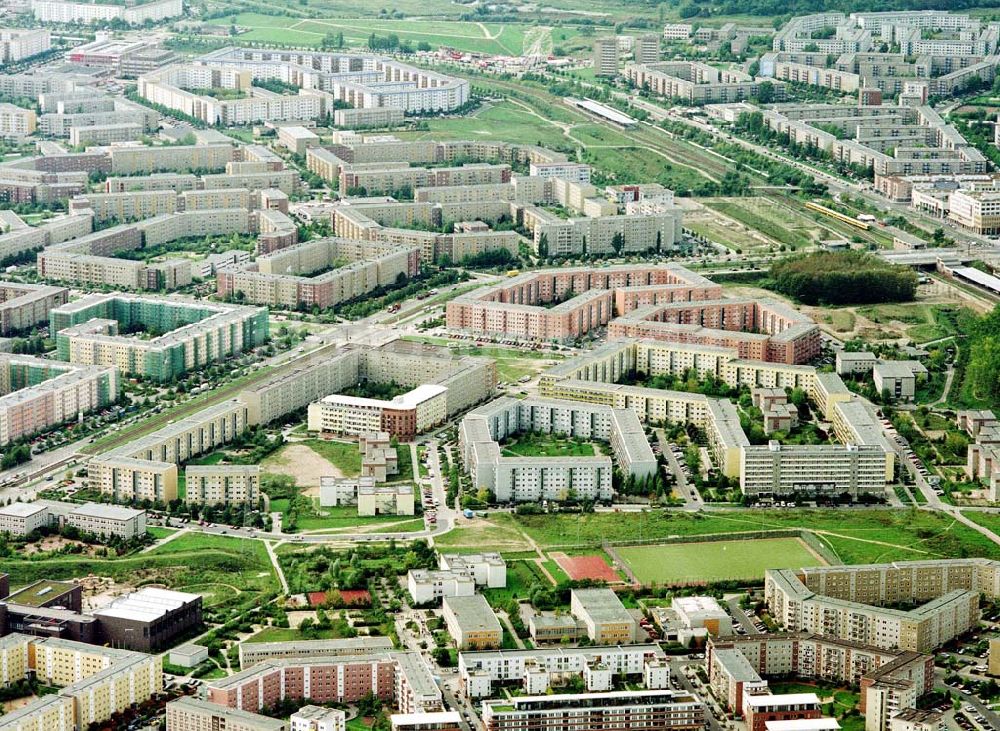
pixel 696 612
pixel 806 724
pixel 849 362
pixel 435 721
pixel 760 709
pixel 488 569
pixel 607 620
pixel 48 593
pixel 192 714
pixel 318 718
pixel 915 719
pixel 108 520
pixel 429 586
pixel 471 622
pixel 189 655
pixel 898 378
pixel 149 619
pixel 20 519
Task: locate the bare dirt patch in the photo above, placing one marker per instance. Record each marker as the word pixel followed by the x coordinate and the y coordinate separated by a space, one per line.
pixel 302 463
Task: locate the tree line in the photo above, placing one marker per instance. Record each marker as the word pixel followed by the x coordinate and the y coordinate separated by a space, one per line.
pixel 842 278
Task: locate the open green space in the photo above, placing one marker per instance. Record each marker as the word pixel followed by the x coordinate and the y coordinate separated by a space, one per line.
pixel 206 564
pixel 507 38
pixel 344 456
pixel 157 532
pixel 346 517
pixel 291 634
pixel 547 445
pixel 404 460
pixel 772 219
pixel 857 536
pixel 922 322
pixel 711 561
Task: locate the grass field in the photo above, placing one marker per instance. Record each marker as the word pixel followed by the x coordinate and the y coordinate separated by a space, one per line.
pixel 289 634
pixel 687 563
pixel 547 445
pixel 852 536
pixel 512 364
pixel 508 38
pixel 343 456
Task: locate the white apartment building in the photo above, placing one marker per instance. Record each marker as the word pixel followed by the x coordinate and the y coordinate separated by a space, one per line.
pixel 317 718
pixel 774 469
pixel 20 43
pixel 430 586
pixel 16 122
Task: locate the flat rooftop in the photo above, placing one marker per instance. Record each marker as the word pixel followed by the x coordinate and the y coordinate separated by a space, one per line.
pixel 40 593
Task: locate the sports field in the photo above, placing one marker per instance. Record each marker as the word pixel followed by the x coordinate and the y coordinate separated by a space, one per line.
pixel 586 567
pixel 700 563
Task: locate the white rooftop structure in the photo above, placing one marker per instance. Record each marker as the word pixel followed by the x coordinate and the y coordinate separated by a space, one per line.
pixel 408 400
pixel 21 510
pixel 764 701
pixel 804 724
pixel 146 604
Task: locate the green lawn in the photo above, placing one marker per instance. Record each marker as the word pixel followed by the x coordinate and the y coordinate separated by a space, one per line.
pixel 710 561
pixel 547 445
pixel 405 461
pixel 508 38
pixel 225 570
pixel 853 536
pixel 346 517
pixel 343 456
pixel 287 634
pixel 157 532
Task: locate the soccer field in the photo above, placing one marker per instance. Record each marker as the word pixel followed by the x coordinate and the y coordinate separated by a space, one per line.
pixel 705 562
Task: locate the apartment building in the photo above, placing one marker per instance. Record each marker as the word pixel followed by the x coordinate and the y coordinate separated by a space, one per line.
pixel 105 134
pixel 847 603
pixel 694 82
pixel 23 306
pixel 194 333
pixel 38 394
pixel 471 622
pixel 319 273
pixel 776 470
pixel 607 620
pixel 108 520
pixel 369 497
pixel 94 682
pixel 606 56
pixel 647 48
pixel 253 653
pixel 761 711
pixel 891 680
pixel 483 674
pixel 317 718
pixel 191 714
pixel 517 308
pixel 17 44
pixel 641 710
pixel 400 678
pixel 534 478
pixel 64 12
pixel 141 160
pixel 146 469
pixel 898 378
pixel 375 117
pixel 404 416
pixel 222 484
pixel 16 122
